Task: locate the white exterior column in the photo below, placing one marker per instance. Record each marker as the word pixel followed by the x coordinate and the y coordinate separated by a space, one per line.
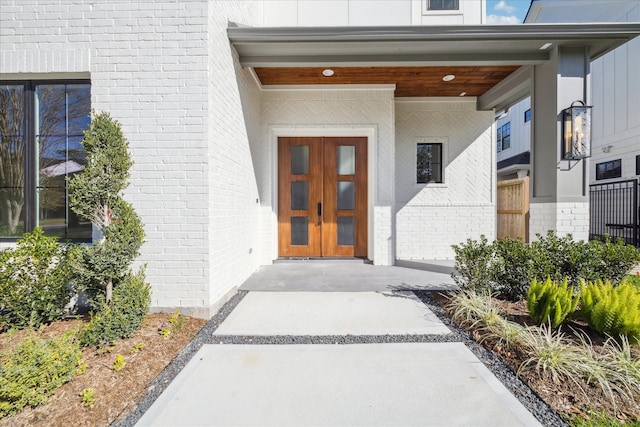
pixel 559 188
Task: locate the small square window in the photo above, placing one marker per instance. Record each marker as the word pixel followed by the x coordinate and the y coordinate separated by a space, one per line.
pixel 608 170
pixel 527 115
pixel 429 163
pixel 443 5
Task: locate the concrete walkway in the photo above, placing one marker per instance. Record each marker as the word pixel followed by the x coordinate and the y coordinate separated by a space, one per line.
pixel 370 382
pixel 346 276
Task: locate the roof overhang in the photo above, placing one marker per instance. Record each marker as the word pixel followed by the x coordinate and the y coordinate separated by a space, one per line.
pixel 461 45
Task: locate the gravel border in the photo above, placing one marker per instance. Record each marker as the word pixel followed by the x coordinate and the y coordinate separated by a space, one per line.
pixel 544 414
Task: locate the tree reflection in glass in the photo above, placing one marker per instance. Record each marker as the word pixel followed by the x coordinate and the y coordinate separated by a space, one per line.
pixel 12 146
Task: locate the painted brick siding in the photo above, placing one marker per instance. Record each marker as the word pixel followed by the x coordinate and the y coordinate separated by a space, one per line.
pixel 332 109
pixel 565 218
pixel 431 217
pixel 164 70
pixel 234 111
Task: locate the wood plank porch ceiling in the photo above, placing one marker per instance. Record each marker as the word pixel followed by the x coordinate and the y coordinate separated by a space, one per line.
pixel 409 81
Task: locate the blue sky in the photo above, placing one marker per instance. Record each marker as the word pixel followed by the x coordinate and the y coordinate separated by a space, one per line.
pixel 506 11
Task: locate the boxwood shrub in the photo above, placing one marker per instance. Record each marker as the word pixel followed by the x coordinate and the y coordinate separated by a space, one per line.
pixel 508 267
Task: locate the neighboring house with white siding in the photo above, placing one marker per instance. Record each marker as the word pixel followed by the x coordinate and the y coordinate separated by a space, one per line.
pixel 615 86
pixel 615 97
pixel 293 128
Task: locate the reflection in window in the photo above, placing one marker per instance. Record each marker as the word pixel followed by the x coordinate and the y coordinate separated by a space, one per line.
pixel 346 159
pixel 346 195
pixel 12 152
pixel 608 170
pixel 50 150
pixel 429 163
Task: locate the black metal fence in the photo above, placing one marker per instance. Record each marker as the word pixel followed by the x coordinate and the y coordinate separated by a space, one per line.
pixel 614 211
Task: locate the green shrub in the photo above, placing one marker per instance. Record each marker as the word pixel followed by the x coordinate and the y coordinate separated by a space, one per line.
pixel 473 263
pixel 610 260
pixel 507 267
pixel 613 311
pixel 122 316
pixel 513 268
pixel 32 371
pixel 96 195
pixel 35 281
pixel 559 257
pixel 119 298
pixel 551 302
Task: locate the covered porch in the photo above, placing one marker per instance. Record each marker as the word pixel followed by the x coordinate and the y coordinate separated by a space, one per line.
pixel 402 87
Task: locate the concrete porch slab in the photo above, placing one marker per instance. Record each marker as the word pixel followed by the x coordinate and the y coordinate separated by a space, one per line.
pixel 343 276
pixel 331 313
pixel 409 384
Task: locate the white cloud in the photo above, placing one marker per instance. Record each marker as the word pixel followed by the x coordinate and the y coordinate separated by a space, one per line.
pixel 502 20
pixel 502 5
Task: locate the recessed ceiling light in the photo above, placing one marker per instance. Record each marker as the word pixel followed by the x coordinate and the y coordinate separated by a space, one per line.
pixel 545 46
pixel 448 77
pixel 463 93
pixel 328 72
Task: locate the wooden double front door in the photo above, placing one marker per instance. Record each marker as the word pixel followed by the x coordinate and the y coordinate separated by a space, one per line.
pixel 322 196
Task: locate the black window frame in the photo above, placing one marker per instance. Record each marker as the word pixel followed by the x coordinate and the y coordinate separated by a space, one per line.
pixel 439 163
pixel 610 169
pixel 442 5
pixel 506 135
pixel 30 185
pixel 637 165
pixel 527 116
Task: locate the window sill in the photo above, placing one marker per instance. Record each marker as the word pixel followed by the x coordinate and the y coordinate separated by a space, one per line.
pixel 431 185
pixel 441 12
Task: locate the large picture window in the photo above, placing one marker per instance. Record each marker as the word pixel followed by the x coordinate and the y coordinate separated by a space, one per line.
pixel 429 163
pixel 41 129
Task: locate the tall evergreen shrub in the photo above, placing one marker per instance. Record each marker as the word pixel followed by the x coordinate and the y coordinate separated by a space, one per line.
pixel 120 297
pixel 96 195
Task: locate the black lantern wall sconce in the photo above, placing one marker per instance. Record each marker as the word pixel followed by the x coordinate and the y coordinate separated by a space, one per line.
pixel 576 131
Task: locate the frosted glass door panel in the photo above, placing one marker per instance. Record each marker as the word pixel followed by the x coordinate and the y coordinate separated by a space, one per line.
pixel 299 230
pixel 346 226
pixel 346 159
pixel 346 195
pixel 300 159
pixel 299 195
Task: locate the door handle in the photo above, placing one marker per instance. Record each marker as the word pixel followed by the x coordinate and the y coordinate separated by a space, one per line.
pixel 319 213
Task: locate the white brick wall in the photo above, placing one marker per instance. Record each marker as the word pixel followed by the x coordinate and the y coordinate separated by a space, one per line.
pixel 565 218
pixel 432 217
pixel 234 111
pixel 163 69
pixel 428 231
